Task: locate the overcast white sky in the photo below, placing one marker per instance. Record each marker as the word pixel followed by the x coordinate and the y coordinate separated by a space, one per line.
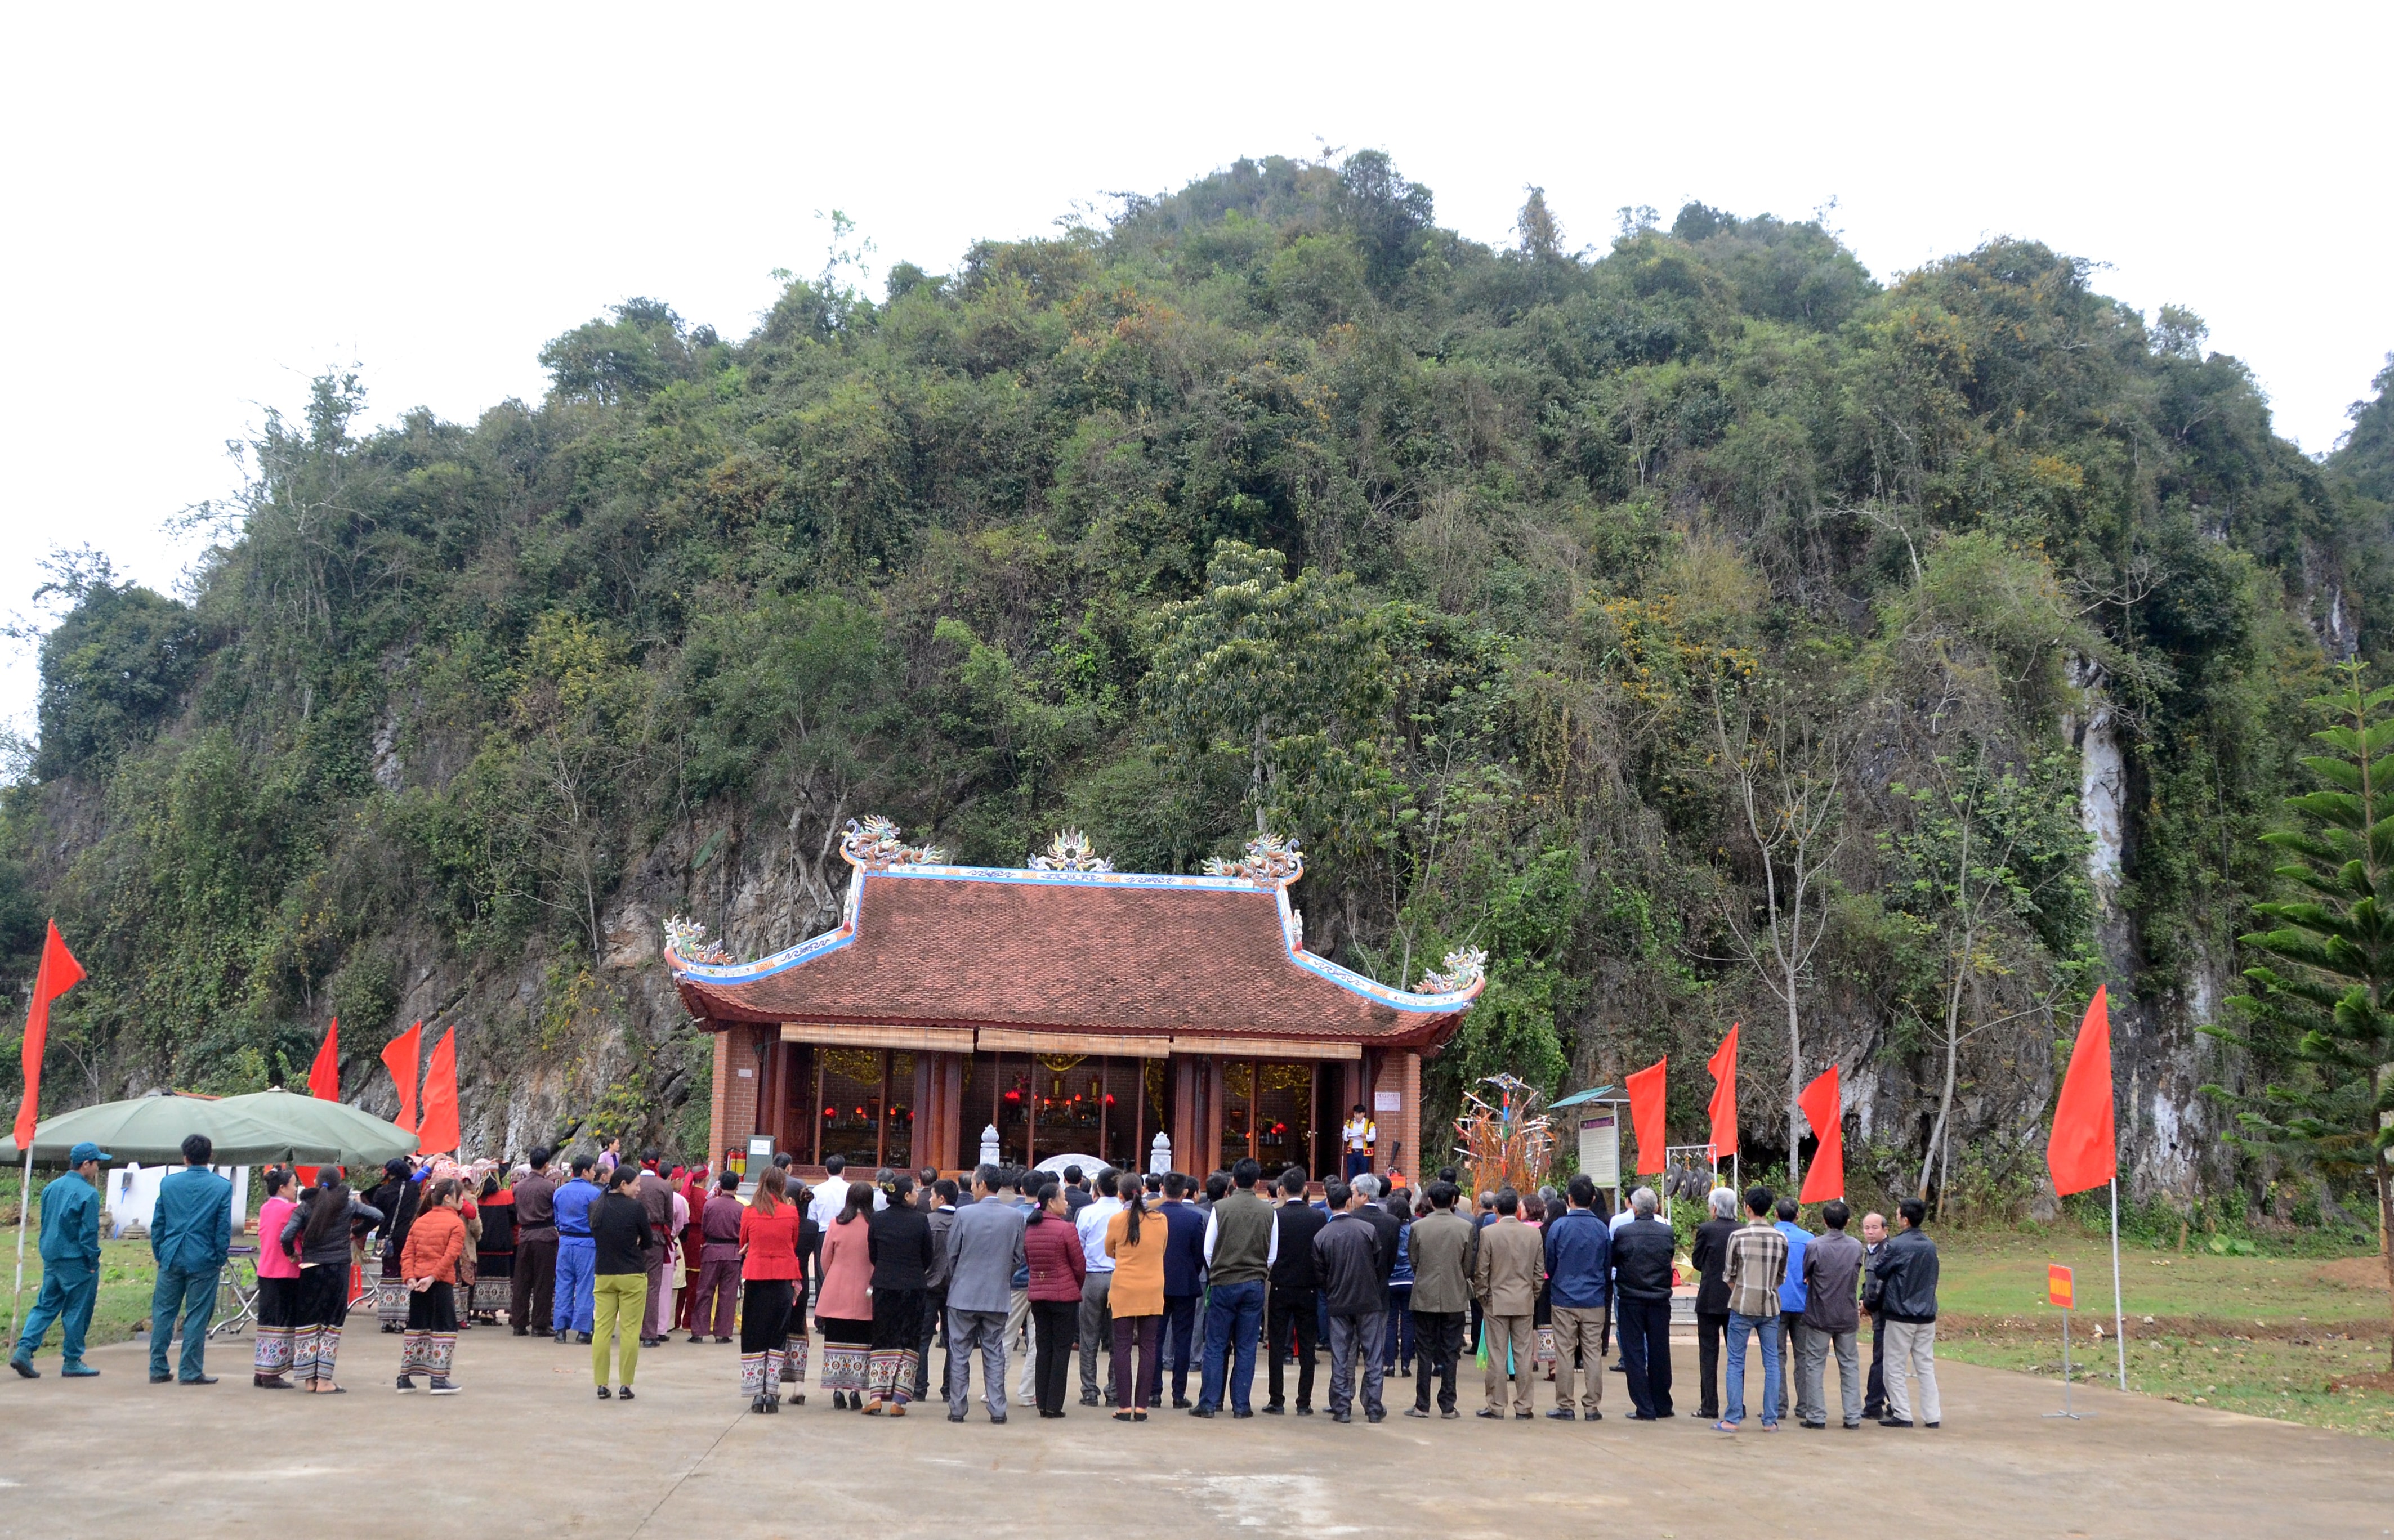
pixel 206 206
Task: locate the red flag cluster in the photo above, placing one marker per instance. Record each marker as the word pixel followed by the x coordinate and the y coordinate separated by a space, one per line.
pixel 1822 1101
pixel 436 1126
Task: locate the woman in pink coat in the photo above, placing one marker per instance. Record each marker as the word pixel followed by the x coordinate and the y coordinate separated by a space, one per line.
pixel 844 1300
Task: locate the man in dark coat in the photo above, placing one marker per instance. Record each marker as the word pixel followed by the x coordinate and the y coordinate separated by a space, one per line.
pixel 1708 1256
pixel 1641 1306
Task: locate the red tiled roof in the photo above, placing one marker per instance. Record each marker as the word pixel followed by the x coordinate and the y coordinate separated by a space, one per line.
pixel 1000 949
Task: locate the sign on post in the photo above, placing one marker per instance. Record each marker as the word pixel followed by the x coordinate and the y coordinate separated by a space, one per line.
pixel 1600 1149
pixel 2060 1292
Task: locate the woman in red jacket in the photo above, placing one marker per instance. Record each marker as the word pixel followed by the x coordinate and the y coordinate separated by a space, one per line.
pixel 435 1243
pixel 768 1269
pixel 1052 1245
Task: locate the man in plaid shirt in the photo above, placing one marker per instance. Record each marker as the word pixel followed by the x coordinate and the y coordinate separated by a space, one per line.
pixel 1757 1266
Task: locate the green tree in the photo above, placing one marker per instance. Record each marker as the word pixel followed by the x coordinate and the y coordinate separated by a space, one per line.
pixel 2334 1001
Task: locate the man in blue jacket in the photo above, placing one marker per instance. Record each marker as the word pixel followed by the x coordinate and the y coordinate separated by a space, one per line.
pixel 190 1233
pixel 1579 1276
pixel 70 1266
pixel 577 1256
pixel 1184 1279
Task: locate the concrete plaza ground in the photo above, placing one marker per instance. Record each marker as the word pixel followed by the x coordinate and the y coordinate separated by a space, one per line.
pixel 527 1450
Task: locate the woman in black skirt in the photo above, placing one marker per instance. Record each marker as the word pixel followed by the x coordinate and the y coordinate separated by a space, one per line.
pixel 899 1239
pixel 278 1279
pixel 769 1268
pixel 320 1233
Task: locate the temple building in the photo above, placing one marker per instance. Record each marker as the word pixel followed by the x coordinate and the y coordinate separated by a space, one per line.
pixel 1074 1009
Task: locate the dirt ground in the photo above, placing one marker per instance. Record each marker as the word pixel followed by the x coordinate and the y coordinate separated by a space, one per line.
pixel 528 1450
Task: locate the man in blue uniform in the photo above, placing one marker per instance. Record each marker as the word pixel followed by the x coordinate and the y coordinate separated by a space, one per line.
pixel 190 1233
pixel 577 1256
pixel 70 1266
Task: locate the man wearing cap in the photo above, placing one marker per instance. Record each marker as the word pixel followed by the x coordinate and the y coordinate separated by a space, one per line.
pixel 70 1266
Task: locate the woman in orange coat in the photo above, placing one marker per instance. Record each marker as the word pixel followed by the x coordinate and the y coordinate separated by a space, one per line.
pixel 1136 1239
pixel 434 1245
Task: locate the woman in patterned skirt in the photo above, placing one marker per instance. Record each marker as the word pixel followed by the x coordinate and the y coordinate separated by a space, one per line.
pixel 844 1305
pixel 769 1268
pixel 434 1243
pixel 398 1199
pixel 901 1248
pixel 320 1233
pixel 278 1280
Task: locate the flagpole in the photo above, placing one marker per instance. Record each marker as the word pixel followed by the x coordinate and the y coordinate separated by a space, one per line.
pixel 2119 1317
pixel 24 1195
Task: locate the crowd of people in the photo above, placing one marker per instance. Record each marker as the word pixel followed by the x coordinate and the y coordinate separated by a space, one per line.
pixel 1158 1274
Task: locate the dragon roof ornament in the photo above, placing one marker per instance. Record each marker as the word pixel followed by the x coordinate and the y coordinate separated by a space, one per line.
pixel 1069 851
pixel 1465 967
pixel 1270 862
pixel 687 940
pixel 874 843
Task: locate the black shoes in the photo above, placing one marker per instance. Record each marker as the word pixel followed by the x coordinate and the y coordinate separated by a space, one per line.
pixel 605 1394
pixel 1490 1413
pixel 1304 1411
pixel 583 1337
pixel 1180 1404
pixel 406 1386
pixel 1375 1417
pixel 154 1379
pixel 1563 1414
pixel 1248 1413
pixel 204 1380
pixel 1523 1416
pixel 624 1394
pixel 564 1337
pixel 1201 1411
pixel 1895 1422
pixel 1274 1409
pixel 1342 1417
pixel 445 1387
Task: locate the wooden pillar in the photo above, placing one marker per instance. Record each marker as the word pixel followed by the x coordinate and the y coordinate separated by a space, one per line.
pixel 1190 1115
pixel 814 1115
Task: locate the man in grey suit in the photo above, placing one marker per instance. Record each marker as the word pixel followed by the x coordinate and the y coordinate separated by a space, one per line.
pixel 984 1250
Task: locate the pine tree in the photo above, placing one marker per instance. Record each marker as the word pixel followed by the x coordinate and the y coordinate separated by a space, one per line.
pixel 2332 1006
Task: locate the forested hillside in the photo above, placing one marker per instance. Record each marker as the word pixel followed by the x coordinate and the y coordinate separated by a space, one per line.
pixel 1690 622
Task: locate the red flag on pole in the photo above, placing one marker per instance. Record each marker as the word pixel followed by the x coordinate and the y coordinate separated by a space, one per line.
pixel 1825 1177
pixel 59 973
pixel 2083 1151
pixel 399 1057
pixel 324 1075
pixel 1723 1063
pixel 1646 1115
pixel 437 1132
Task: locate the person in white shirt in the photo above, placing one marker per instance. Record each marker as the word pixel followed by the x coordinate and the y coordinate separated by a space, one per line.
pixel 1097 1319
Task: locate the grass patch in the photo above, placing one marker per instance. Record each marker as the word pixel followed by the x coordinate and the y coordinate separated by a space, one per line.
pixel 127 1276
pixel 2300 1338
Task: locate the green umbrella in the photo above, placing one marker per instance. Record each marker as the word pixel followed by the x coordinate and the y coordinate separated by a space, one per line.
pixel 151 1129
pixel 246 1130
pixel 324 1133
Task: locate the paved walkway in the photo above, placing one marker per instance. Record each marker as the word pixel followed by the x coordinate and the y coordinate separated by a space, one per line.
pixel 527 1451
